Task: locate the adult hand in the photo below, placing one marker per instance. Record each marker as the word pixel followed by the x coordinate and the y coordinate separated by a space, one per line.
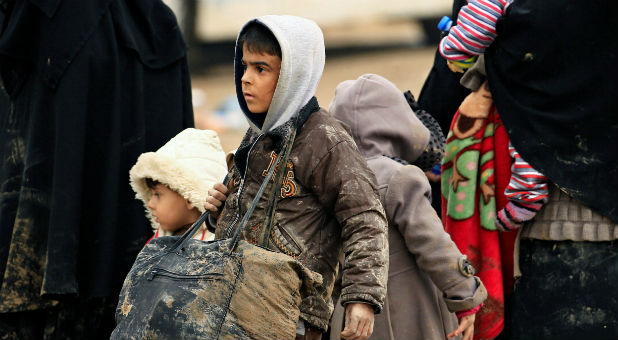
pixel 358 321
pixel 466 326
pixel 216 198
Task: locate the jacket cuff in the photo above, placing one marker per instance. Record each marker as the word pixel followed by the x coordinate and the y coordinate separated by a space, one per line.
pixel 467 312
pixel 480 294
pixel 348 298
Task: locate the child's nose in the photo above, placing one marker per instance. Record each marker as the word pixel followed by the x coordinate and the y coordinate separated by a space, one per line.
pixel 150 204
pixel 246 77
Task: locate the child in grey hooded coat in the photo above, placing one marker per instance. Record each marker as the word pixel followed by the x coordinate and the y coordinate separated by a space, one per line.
pixel 429 279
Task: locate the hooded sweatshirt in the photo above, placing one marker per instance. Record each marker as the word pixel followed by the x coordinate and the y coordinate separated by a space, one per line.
pixel 328 202
pixel 428 276
pixel 300 71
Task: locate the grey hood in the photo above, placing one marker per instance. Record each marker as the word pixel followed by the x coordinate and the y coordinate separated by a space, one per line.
pixel 380 119
pixel 302 64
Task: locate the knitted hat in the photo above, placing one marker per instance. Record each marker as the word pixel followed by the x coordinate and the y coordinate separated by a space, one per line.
pixel 190 163
pixel 434 151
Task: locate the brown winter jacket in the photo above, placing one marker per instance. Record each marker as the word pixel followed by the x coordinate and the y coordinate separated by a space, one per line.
pixel 328 204
pixel 427 280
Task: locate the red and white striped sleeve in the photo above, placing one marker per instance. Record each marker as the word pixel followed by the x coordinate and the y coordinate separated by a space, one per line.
pixel 475 29
pixel 527 185
pixel 527 191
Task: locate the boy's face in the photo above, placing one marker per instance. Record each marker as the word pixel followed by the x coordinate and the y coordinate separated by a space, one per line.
pixel 169 209
pixel 259 79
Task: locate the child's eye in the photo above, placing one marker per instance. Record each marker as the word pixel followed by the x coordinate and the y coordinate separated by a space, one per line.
pixel 261 69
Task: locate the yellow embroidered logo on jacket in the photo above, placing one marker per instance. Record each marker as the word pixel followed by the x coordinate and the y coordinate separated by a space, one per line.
pixel 288 188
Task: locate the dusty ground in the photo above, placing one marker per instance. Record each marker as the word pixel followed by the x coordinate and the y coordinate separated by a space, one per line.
pixel 407 68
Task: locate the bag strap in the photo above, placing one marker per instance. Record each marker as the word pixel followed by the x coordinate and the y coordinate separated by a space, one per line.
pixel 272 204
pixel 196 225
pixel 283 157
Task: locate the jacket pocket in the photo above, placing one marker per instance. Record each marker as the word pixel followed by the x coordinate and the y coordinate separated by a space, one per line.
pixel 163 273
pixel 284 242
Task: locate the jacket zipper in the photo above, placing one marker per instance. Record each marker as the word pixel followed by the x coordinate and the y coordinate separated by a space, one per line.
pixel 242 185
pixel 163 272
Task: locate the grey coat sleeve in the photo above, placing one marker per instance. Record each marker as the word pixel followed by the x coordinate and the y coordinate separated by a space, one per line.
pixel 409 209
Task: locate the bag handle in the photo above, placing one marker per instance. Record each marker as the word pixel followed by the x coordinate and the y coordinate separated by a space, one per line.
pixel 195 227
pixel 283 157
pixel 272 203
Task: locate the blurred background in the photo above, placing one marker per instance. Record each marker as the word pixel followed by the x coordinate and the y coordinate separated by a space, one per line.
pixel 393 38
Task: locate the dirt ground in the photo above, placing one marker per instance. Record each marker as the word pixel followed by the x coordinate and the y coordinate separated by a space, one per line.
pixel 407 68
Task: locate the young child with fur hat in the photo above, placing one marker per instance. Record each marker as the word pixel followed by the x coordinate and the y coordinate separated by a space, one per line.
pixel 173 182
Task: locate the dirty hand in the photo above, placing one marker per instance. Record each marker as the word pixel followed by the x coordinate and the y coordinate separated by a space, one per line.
pixel 216 198
pixel 466 327
pixel 358 321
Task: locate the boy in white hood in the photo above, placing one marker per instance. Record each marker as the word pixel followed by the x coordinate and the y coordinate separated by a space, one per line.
pixel 173 182
pixel 328 203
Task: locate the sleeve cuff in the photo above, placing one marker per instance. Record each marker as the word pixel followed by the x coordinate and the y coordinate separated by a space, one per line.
pixel 468 303
pixel 361 298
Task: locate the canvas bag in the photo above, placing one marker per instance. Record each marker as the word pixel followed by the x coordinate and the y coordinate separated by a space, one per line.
pixel 180 287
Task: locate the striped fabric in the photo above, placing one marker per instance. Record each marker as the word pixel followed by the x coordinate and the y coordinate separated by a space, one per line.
pixel 475 29
pixel 527 185
pixel 203 235
pixel 527 192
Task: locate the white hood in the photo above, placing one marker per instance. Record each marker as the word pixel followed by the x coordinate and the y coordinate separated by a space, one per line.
pixel 302 64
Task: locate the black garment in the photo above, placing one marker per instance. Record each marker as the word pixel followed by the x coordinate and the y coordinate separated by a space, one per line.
pixel 441 96
pixel 91 85
pixel 567 290
pixel 434 151
pixel 553 77
pixel 74 318
pixel 441 93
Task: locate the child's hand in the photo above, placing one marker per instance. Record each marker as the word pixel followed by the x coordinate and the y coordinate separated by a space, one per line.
pixel 358 322
pixel 466 327
pixel 460 66
pixel 216 198
pixel 433 177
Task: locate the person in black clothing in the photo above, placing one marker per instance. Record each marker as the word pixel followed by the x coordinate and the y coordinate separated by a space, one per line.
pixel 440 96
pixel 87 87
pixel 552 72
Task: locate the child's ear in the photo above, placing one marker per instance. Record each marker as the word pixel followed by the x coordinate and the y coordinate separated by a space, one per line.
pixel 188 205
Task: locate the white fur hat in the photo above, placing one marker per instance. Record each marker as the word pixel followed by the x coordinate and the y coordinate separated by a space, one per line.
pixel 190 163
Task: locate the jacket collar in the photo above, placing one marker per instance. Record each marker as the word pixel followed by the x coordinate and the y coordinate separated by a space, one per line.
pixel 278 134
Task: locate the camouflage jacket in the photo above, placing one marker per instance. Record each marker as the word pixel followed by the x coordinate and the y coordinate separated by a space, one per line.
pixel 328 205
